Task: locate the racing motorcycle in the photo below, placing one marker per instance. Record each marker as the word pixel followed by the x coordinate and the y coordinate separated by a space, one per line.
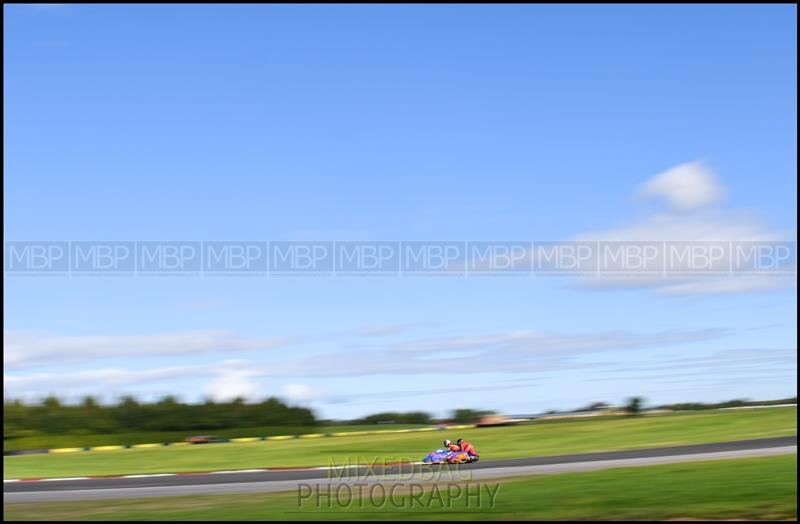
pixel 446 456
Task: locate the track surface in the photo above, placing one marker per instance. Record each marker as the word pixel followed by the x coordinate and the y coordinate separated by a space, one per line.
pixel 277 480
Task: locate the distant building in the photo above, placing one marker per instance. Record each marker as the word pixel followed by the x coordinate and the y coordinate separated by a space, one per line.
pixel 494 420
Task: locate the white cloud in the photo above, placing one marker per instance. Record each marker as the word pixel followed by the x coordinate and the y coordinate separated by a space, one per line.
pixel 25 349
pixel 701 226
pixel 234 382
pixel 302 393
pixel 704 225
pixel 98 380
pixel 383 396
pixel 691 189
pixel 748 363
pixel 684 187
pixel 544 343
pixel 229 379
pixel 738 284
pixel 509 353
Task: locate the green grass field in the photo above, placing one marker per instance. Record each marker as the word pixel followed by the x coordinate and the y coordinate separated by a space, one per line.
pixel 538 439
pixel 144 437
pixel 760 488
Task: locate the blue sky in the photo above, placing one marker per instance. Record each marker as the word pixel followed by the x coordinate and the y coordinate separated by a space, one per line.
pixel 400 123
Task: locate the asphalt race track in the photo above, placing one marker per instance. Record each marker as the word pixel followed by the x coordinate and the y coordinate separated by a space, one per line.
pixel 287 479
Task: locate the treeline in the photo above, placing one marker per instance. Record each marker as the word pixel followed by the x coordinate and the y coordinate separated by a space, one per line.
pixel 129 415
pixel 420 417
pixel 391 417
pixel 736 403
pixel 464 415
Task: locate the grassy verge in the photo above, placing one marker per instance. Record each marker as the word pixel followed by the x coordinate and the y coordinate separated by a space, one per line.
pixel 552 438
pixel 761 488
pixel 146 437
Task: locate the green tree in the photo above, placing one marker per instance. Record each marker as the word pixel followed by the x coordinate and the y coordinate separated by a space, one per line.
pixel 634 405
pixel 469 415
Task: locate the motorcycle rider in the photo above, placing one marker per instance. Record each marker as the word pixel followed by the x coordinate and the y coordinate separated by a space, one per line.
pixel 448 445
pixel 465 446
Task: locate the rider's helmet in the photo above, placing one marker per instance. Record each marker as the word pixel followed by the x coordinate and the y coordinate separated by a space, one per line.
pixel 446 443
pixel 459 441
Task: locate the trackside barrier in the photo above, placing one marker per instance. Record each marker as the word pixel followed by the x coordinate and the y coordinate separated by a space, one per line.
pixel 258 439
pixel 11 452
